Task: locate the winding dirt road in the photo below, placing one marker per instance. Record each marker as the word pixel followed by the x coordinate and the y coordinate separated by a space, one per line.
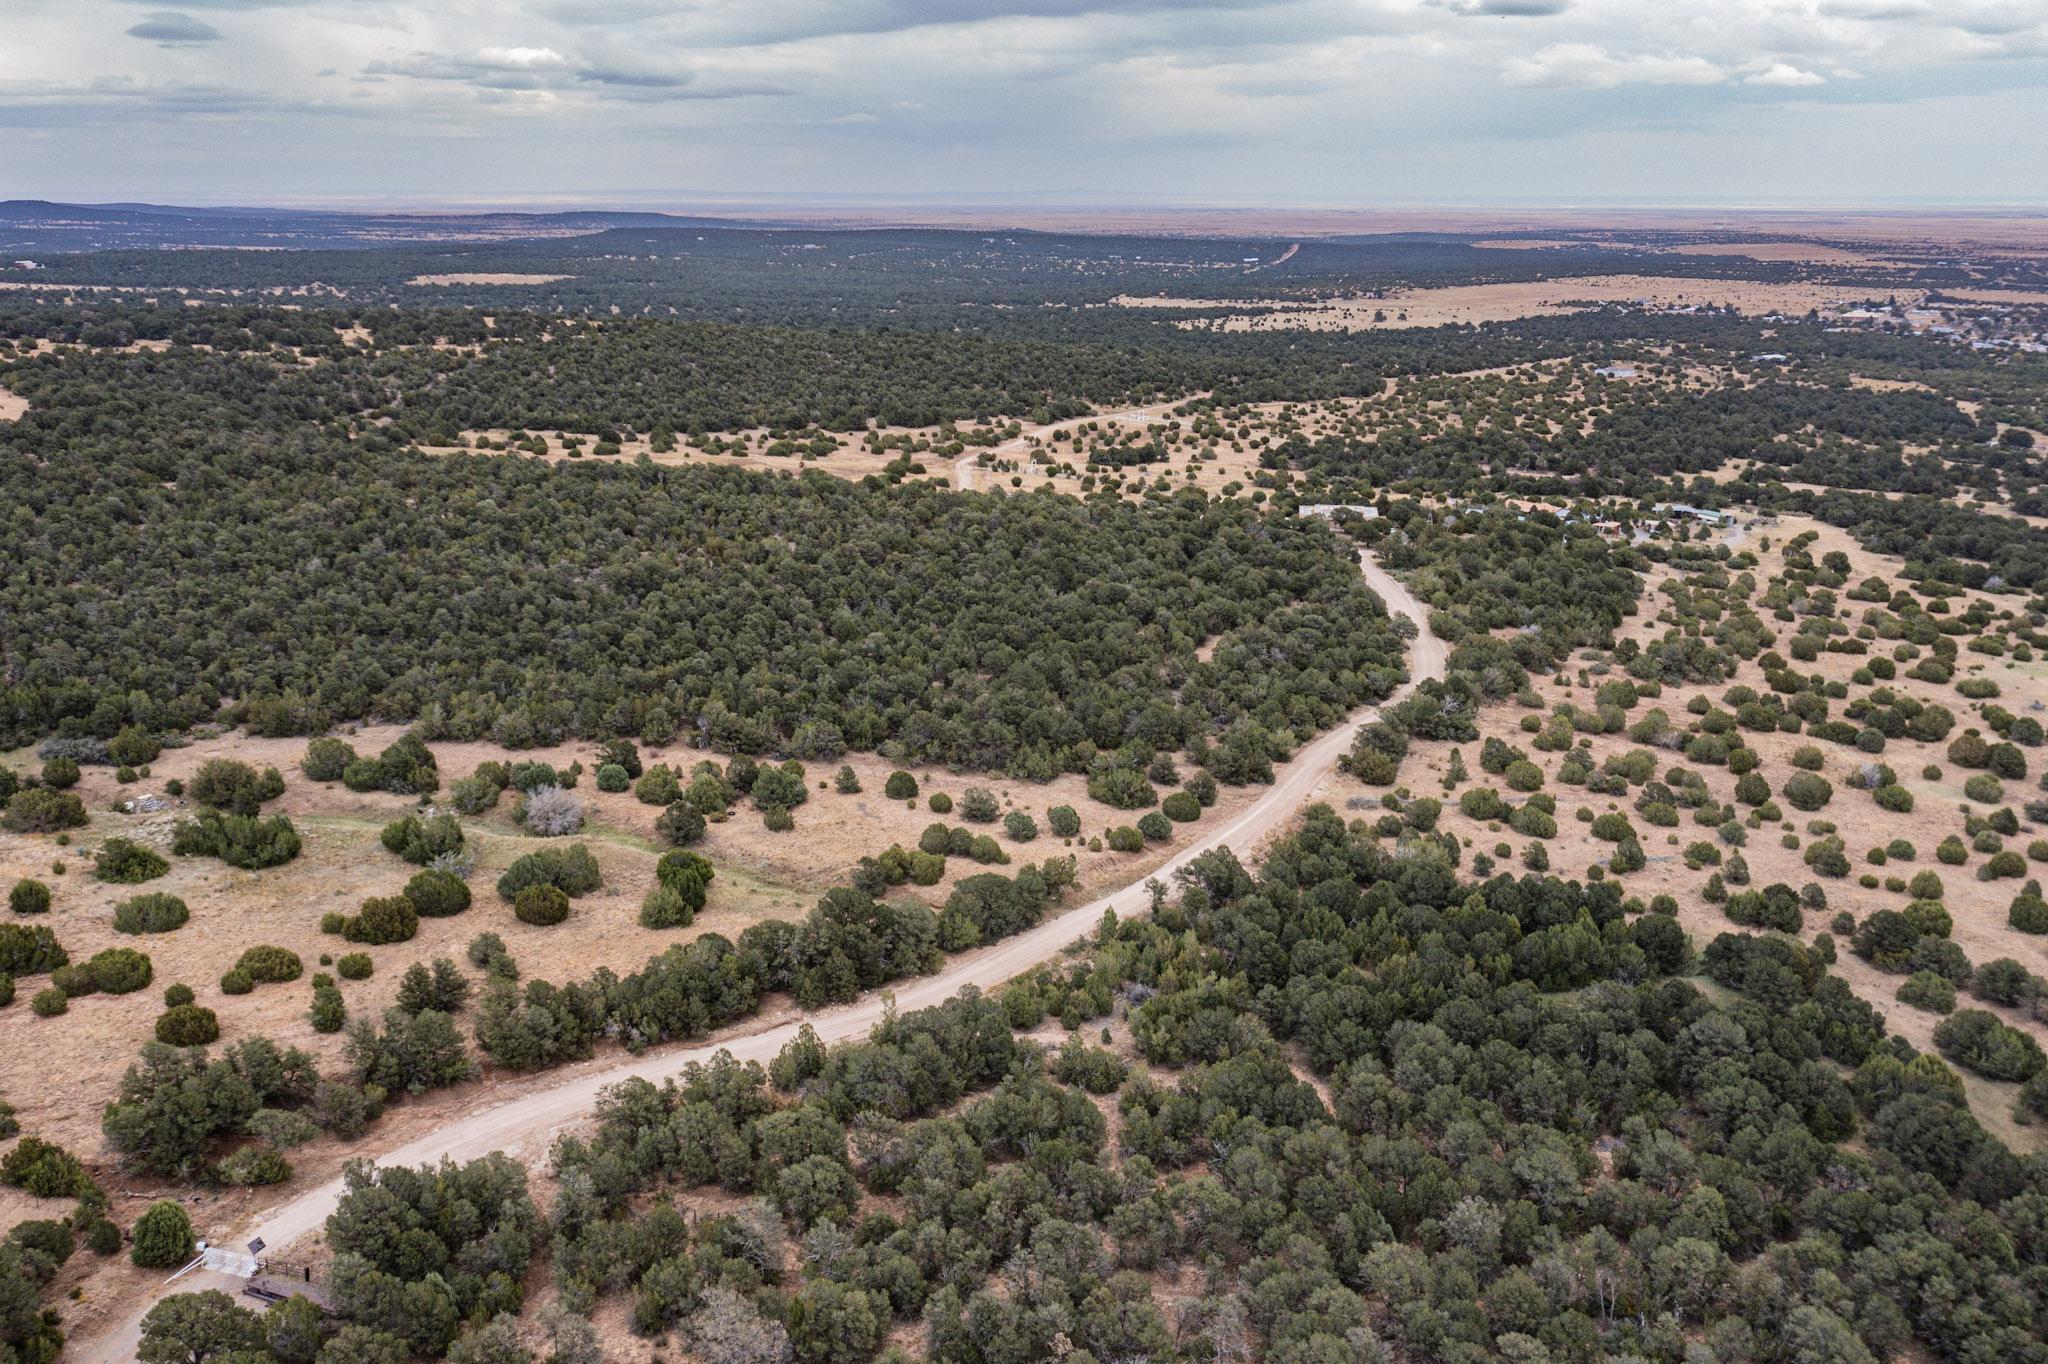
pixel 528 1124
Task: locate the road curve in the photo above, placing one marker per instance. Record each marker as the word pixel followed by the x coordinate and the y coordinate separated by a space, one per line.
pixel 531 1120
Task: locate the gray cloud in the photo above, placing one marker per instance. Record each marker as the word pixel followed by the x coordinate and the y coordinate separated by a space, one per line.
pixel 234 4
pixel 1508 9
pixel 170 29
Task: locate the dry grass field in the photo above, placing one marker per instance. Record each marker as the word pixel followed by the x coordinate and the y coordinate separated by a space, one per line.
pixel 760 874
pixel 1473 303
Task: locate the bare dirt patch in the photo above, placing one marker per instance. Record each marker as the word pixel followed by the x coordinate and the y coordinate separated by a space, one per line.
pixel 760 874
pixel 1470 303
pixel 12 406
pixel 462 277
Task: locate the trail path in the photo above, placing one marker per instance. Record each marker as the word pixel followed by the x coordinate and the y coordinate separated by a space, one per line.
pixel 530 1122
pixel 1020 444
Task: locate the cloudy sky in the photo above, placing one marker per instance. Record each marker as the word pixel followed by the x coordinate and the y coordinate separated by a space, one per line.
pixel 1209 101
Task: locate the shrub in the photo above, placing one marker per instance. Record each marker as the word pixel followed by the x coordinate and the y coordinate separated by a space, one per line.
pixel 551 812
pixel 382 920
pixel 612 779
pixel 1925 990
pixel 1951 852
pixel 900 786
pixel 45 1170
pixel 29 897
pixel 2028 913
pixel 1977 1041
pixel 249 1166
pixel 1523 775
pixel 48 1003
pixel 326 759
pixel 573 871
pixel 1807 791
pixel 437 894
pixel 406 768
pixel 163 1237
pixel 236 982
pixel 665 907
pixel 187 1025
pixel 174 995
pixel 940 803
pixel 681 824
pixel 2005 981
pixel 39 810
pixel 784 786
pixel 978 805
pixel 354 966
pixel 120 970
pixel 1063 821
pixel 687 873
pixel 420 841
pixel 1181 807
pixel 123 862
pixel 2001 865
pixel 474 795
pixel 329 1012
pixel 1984 789
pixel 270 965
pixel 238 840
pixel 1611 827
pixel 1020 826
pixel 235 787
pixel 778 819
pixel 1123 838
pixel 1121 788
pixel 29 951
pixel 486 952
pixel 152 913
pixel 1482 802
pixel 926 869
pixel 541 905
pixel 1155 826
pixel 60 773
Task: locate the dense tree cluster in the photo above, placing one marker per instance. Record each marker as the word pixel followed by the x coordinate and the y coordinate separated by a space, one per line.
pixel 530 604
pixel 1529 1138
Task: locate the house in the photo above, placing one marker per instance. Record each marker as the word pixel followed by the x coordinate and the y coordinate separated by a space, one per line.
pixel 1679 510
pixel 1616 371
pixel 1769 357
pixel 1364 511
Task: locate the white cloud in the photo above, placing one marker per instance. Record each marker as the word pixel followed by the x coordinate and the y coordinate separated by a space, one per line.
pixel 1785 74
pixel 1588 66
pixel 521 58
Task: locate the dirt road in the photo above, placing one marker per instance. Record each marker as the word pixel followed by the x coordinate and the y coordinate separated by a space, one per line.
pixel 527 1125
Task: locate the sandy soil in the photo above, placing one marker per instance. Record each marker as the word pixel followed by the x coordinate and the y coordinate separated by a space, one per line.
pixel 1469 303
pixel 761 874
pixel 1814 253
pixel 460 277
pixel 12 406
